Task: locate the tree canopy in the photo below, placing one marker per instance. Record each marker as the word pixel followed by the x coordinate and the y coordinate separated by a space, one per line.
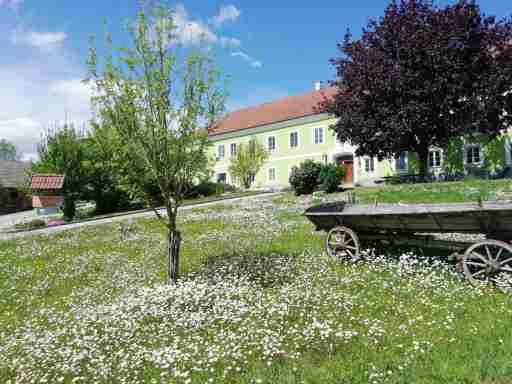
pixel 61 151
pixel 247 161
pixel 420 76
pixel 8 151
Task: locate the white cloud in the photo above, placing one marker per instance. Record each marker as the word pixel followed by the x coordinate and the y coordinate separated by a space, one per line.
pixel 226 13
pixel 13 4
pixel 33 98
pixel 73 89
pixel 193 32
pixel 19 128
pixel 251 60
pixel 41 40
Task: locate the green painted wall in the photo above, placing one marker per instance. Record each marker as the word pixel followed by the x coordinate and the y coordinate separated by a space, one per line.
pixel 494 154
pixel 284 157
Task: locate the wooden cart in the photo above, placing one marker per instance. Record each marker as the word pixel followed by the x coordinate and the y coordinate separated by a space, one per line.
pixel 414 224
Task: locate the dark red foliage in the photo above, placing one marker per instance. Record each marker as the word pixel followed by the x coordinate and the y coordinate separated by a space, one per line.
pixel 421 75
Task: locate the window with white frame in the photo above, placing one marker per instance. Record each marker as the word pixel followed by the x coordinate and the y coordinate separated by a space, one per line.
pixel 434 158
pixel 220 152
pixel 232 149
pixel 271 174
pixel 369 164
pixel 401 162
pixel 324 158
pixel 294 139
pixel 319 135
pixel 252 178
pixel 473 154
pixel 271 143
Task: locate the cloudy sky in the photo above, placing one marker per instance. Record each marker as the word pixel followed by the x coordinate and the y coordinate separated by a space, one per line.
pixel 268 49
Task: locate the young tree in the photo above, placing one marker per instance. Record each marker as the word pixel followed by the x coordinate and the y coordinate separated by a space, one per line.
pixel 420 76
pixel 61 151
pixel 159 100
pixel 247 162
pixel 8 151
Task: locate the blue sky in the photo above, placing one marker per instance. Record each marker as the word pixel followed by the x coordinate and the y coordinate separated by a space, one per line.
pixel 269 49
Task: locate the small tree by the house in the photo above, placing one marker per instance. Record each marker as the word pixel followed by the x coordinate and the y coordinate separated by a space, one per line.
pixel 422 75
pixel 61 151
pixel 8 151
pixel 159 100
pixel 247 161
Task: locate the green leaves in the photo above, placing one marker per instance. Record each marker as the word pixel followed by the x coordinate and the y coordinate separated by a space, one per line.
pixel 421 76
pixel 247 162
pixel 8 151
pixel 159 101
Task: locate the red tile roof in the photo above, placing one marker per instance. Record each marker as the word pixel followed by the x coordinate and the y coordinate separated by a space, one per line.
pixel 45 182
pixel 288 108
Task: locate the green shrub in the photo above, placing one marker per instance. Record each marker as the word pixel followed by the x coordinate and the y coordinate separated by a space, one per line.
pixel 304 179
pixel 330 177
pixel 33 224
pixel 209 188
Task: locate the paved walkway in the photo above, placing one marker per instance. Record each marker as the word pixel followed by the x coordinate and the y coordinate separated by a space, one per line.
pixel 8 221
pixel 66 227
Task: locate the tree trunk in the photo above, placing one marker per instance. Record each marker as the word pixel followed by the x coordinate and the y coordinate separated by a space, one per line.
pixel 69 208
pixel 173 255
pixel 423 162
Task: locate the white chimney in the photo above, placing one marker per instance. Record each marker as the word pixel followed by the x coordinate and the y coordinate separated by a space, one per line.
pixel 318 85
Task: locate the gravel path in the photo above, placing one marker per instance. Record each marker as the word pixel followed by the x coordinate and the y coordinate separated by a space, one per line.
pixel 60 228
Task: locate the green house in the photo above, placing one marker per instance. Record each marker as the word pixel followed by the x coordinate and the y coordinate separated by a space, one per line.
pixel 293 130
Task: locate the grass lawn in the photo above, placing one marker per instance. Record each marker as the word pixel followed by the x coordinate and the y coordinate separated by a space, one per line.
pixel 449 192
pixel 259 302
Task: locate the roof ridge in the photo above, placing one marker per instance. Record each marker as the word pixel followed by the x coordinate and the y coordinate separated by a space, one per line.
pixel 283 109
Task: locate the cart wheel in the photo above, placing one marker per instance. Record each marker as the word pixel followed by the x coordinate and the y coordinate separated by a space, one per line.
pixel 342 243
pixel 486 260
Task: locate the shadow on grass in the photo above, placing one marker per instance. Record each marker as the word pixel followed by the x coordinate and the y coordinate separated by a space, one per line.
pixel 266 269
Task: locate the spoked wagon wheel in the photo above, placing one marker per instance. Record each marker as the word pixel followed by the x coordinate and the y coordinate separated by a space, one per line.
pixel 486 260
pixel 342 243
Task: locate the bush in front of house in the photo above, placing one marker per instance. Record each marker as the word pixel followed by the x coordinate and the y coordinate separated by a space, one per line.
pixel 311 176
pixel 32 224
pixel 209 188
pixel 304 179
pixel 330 177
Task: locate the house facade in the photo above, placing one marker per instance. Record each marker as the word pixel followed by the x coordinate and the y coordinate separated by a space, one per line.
pixel 292 131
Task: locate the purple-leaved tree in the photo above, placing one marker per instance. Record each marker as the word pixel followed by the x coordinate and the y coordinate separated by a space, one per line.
pixel 420 76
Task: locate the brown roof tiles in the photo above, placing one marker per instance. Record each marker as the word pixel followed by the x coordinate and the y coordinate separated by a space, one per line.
pixel 47 182
pixel 288 108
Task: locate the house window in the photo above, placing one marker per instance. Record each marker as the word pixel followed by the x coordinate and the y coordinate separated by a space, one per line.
pixel 369 165
pixel 473 154
pixel 252 179
pixel 271 174
pixel 434 158
pixel 401 162
pixel 221 178
pixel 220 152
pixel 232 149
pixel 324 158
pixel 319 135
pixel 294 139
pixel 271 143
